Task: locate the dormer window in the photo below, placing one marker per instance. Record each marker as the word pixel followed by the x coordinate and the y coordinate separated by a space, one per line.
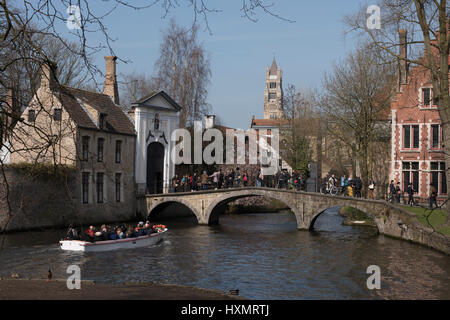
pixel 102 121
pixel 31 115
pixel 57 114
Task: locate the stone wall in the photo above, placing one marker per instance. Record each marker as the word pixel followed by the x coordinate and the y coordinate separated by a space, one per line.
pixel 43 201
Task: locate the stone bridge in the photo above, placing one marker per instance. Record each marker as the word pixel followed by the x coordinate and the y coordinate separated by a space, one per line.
pixel 208 205
pixel 390 219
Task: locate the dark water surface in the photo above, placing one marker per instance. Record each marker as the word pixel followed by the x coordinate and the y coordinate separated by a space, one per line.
pixel 262 255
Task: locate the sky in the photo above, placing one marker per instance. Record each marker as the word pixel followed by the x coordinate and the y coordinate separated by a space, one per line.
pixel 239 49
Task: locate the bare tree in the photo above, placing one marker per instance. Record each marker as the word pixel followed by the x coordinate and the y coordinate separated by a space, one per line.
pixel 136 86
pixel 183 71
pixel 299 130
pixel 357 93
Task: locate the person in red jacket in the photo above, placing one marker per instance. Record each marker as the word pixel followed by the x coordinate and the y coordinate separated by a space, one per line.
pixel 90 233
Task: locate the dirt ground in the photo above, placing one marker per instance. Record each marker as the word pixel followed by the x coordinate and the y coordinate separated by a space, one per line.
pixel 12 289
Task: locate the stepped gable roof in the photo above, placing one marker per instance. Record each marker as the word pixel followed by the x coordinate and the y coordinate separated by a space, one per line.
pixel 116 120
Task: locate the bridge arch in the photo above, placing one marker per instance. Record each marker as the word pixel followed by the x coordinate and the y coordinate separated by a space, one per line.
pixel 155 207
pixel 217 206
pixel 318 212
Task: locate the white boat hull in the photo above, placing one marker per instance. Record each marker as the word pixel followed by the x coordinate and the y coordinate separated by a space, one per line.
pixel 109 245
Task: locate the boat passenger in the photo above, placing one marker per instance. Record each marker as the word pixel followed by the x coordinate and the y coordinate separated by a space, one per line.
pixel 140 229
pixel 90 233
pixel 105 233
pixel 98 236
pixel 120 233
pixel 72 234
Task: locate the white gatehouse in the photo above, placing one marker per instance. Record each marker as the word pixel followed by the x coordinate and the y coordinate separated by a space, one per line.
pixel 155 116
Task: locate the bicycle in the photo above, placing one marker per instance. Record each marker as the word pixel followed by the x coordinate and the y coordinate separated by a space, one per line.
pixel 332 191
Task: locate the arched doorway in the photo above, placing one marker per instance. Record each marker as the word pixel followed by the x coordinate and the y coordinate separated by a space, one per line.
pixel 155 168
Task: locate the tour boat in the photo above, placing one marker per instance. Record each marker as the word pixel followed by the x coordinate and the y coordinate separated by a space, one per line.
pixel 128 243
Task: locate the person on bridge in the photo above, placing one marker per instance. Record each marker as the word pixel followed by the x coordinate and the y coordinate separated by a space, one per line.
pixel 238 177
pixel 411 192
pixel 216 178
pixel 433 196
pixel 245 179
pixel 204 180
pixel 398 192
pixel 371 189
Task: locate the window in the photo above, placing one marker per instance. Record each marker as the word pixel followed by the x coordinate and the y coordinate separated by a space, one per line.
pixel 411 137
pixel 273 85
pixel 435 136
pixel 101 143
pixel 85 186
pixel 118 151
pixel 411 174
pixel 272 96
pixel 85 148
pixel 102 121
pixel 57 114
pixel 426 97
pixel 31 115
pixel 100 177
pixel 437 177
pixel 118 186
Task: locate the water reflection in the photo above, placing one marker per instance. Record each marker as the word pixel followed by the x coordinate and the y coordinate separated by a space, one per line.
pixel 261 254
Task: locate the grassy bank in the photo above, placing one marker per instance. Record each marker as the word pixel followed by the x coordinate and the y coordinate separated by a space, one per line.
pixel 431 218
pixel 351 215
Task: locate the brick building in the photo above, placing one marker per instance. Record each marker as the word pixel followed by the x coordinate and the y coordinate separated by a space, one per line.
pixel 417 153
pixel 87 131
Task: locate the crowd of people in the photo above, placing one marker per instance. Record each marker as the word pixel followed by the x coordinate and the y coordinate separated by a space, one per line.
pixel 234 178
pixel 396 194
pixel 107 232
pixel 347 186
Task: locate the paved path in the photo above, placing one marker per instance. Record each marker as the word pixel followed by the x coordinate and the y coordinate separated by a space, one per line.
pixel 57 290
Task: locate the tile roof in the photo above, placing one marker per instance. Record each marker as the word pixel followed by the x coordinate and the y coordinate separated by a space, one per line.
pixel 268 122
pixel 116 121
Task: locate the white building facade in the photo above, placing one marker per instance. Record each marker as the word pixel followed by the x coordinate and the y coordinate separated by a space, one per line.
pixel 155 116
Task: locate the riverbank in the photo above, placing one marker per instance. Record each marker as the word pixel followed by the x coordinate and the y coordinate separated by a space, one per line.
pixel 17 289
pixel 354 217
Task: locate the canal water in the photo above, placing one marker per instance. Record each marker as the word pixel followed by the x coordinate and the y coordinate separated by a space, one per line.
pixel 262 255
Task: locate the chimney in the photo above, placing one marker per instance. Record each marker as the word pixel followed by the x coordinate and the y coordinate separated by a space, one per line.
pixel 210 121
pixel 12 108
pixel 110 87
pixel 403 71
pixel 48 75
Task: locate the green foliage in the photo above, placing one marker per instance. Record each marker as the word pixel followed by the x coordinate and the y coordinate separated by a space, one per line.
pixel 43 171
pixel 354 214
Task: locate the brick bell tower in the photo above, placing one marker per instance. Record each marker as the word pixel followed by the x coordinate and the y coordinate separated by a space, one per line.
pixel 273 93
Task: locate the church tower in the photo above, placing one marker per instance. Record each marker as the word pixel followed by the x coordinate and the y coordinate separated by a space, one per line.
pixel 273 93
